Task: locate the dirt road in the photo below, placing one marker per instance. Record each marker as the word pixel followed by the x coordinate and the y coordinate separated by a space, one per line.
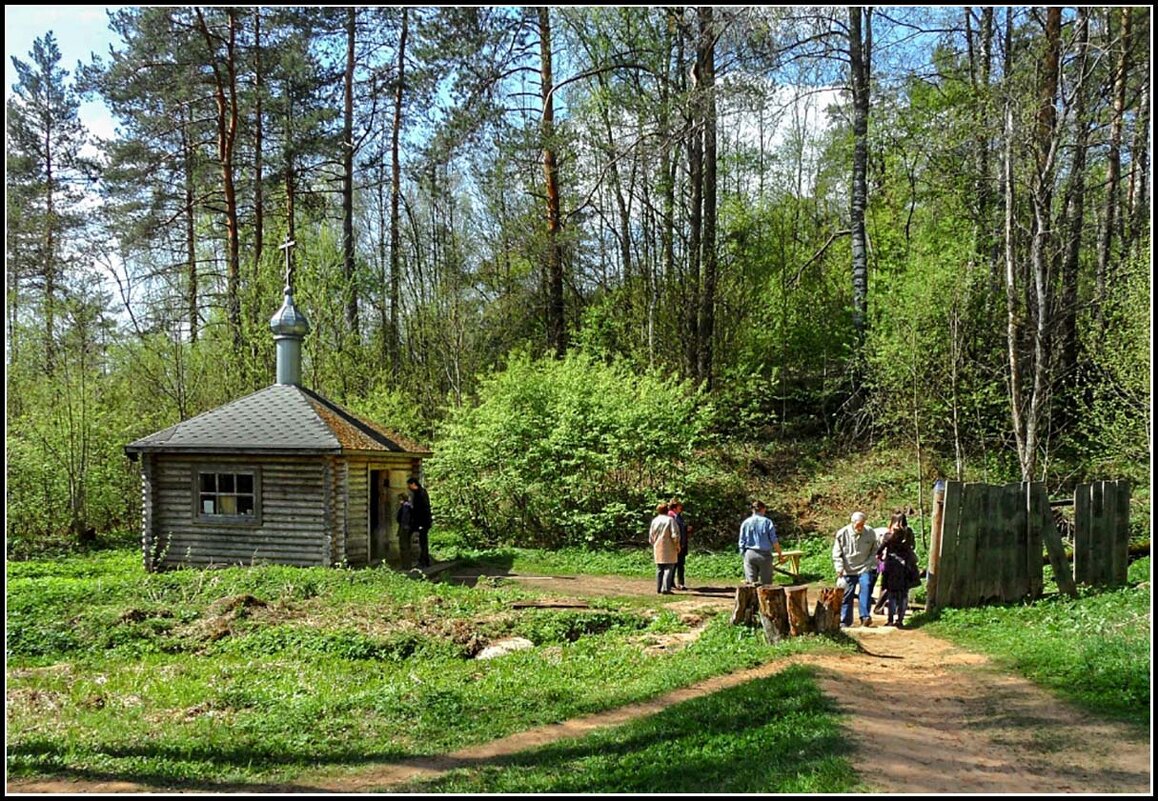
pixel 925 717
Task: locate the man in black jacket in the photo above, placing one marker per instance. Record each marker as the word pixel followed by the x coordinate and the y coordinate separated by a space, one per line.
pixel 420 519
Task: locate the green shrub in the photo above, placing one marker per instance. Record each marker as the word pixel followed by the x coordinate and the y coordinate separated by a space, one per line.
pixel 567 452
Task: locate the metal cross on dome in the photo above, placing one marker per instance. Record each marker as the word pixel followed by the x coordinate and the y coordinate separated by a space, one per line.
pixel 287 246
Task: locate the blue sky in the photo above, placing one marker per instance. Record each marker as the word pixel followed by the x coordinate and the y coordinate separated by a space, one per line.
pixel 79 30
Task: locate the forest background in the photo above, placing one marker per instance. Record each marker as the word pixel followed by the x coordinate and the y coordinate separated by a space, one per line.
pixel 591 256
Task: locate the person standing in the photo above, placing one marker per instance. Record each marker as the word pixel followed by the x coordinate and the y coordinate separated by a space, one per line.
pixel 854 552
pixel 675 510
pixel 420 519
pixel 665 542
pixel 757 541
pixel 405 531
pixel 900 569
pixel 899 523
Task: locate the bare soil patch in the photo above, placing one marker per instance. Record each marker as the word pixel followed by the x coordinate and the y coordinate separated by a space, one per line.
pixel 924 717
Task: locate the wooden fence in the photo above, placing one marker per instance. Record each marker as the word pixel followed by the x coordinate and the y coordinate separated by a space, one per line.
pixel 988 541
pixel 1101 532
pixel 990 545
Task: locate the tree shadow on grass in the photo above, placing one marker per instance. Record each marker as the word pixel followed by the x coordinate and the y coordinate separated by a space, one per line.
pixel 778 734
pixel 46 754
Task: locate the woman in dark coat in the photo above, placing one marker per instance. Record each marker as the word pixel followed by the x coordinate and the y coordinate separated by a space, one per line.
pixel 900 569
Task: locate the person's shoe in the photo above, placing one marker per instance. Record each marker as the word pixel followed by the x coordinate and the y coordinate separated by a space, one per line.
pixel 866 622
pixel 890 622
pixel 901 624
pixel 680 587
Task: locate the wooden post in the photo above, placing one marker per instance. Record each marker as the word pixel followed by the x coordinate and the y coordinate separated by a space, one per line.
pixel 799 621
pixel 747 605
pixel 773 612
pixel 826 619
pixel 935 545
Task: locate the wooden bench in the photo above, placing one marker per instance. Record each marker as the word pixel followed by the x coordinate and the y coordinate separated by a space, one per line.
pixel 793 559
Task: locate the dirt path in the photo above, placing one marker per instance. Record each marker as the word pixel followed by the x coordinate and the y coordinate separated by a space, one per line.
pixel 924 717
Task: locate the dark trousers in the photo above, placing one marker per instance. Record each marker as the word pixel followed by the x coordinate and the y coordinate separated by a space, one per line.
pixel 679 568
pixel 663 577
pixel 423 548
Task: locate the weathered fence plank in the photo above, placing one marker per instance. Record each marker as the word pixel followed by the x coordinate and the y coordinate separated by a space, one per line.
pixel 1100 534
pixel 1037 516
pixel 1016 583
pixel 1082 532
pixel 1122 530
pixel 947 560
pixel 973 502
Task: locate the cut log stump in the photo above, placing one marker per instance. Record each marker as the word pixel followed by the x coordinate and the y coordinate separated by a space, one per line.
pixel 826 619
pixel 799 621
pixel 747 607
pixel 773 613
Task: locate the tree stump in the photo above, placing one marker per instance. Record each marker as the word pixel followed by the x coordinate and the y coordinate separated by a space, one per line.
pixel 826 620
pixel 799 621
pixel 773 613
pixel 747 605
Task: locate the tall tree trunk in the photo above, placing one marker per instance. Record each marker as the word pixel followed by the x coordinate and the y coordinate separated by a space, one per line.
pixel 395 195
pixel 1074 210
pixel 624 234
pixel 1013 278
pixel 48 268
pixel 348 180
pixel 225 95
pixel 1140 173
pixel 290 176
pixel 707 311
pixel 980 68
pixel 695 235
pixel 258 144
pixel 668 176
pixel 1047 146
pixel 1110 222
pixel 191 284
pixel 556 324
pixel 860 54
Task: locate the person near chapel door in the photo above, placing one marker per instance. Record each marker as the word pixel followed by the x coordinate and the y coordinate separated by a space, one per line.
pixel 420 519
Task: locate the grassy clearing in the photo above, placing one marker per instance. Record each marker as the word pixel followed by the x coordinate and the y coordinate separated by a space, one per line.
pixel 1093 650
pixel 252 675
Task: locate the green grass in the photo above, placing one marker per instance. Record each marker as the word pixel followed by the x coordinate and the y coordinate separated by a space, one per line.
pixel 1093 650
pixel 772 735
pixel 243 676
pixel 238 677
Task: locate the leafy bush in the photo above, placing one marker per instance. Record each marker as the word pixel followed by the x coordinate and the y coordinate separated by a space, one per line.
pixel 568 452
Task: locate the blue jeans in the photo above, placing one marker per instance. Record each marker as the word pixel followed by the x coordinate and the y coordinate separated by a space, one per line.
pixel 864 590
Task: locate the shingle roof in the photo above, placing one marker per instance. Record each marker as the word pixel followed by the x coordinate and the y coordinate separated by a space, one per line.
pixel 281 417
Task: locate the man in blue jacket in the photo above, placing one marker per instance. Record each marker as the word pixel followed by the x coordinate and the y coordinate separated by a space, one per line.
pixel 757 540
